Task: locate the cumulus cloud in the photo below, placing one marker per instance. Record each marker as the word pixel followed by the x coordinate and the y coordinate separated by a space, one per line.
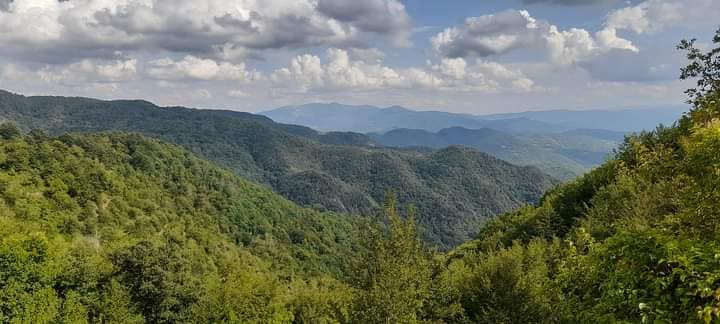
pixel 198 52
pixel 194 68
pixel 379 16
pixel 655 15
pixel 339 71
pixel 488 35
pixel 516 29
pixel 90 71
pixel 56 30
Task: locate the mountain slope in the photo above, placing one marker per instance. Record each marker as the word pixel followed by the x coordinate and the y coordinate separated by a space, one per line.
pixel 121 228
pixel 635 240
pixel 294 161
pixel 563 156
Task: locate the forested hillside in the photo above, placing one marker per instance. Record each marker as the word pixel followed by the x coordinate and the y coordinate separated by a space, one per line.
pixel 125 229
pixel 634 241
pixel 455 190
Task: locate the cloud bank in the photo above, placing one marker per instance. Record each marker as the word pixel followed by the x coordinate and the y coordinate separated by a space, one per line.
pixel 255 54
pixel 54 31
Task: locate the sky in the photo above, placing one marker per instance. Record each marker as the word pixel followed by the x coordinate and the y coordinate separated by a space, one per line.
pixel 469 56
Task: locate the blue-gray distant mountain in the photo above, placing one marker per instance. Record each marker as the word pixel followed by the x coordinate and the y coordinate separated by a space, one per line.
pixel 564 155
pixel 367 119
pixel 625 120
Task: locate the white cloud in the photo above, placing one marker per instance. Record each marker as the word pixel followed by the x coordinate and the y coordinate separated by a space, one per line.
pixel 194 68
pixel 247 54
pixel 488 35
pixel 380 16
pixel 90 71
pixel 51 30
pixel 655 15
pixel 308 73
pixel 511 30
pixel 340 72
pixel 569 46
pixel 454 68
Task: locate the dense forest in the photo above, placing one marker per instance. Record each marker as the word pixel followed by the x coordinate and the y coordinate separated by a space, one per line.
pixel 120 228
pixel 455 190
pixel 636 240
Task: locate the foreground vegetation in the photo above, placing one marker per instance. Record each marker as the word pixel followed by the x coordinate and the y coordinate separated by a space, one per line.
pixel 636 240
pixel 120 228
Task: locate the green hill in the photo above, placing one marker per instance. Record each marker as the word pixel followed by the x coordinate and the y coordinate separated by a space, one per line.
pixel 120 228
pixel 307 167
pixel 634 241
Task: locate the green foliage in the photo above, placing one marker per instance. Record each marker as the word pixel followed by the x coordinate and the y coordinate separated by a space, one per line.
pixel 123 229
pixel 704 66
pixel 395 276
pixel 9 131
pixel 508 285
pixel 633 241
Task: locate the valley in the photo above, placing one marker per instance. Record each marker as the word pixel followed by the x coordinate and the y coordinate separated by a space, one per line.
pixel 369 162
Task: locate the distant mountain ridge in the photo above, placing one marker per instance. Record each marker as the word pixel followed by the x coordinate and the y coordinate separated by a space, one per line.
pixel 563 156
pixel 620 120
pixel 562 143
pixel 368 119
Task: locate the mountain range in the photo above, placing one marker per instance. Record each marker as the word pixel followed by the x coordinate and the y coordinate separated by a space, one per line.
pixel 454 189
pixel 369 119
pixel 562 143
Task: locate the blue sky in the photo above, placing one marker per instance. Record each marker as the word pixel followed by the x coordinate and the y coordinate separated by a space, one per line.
pixel 466 56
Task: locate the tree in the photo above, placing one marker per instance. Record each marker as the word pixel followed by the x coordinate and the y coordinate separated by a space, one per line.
pixel 705 66
pixel 394 275
pixel 9 131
